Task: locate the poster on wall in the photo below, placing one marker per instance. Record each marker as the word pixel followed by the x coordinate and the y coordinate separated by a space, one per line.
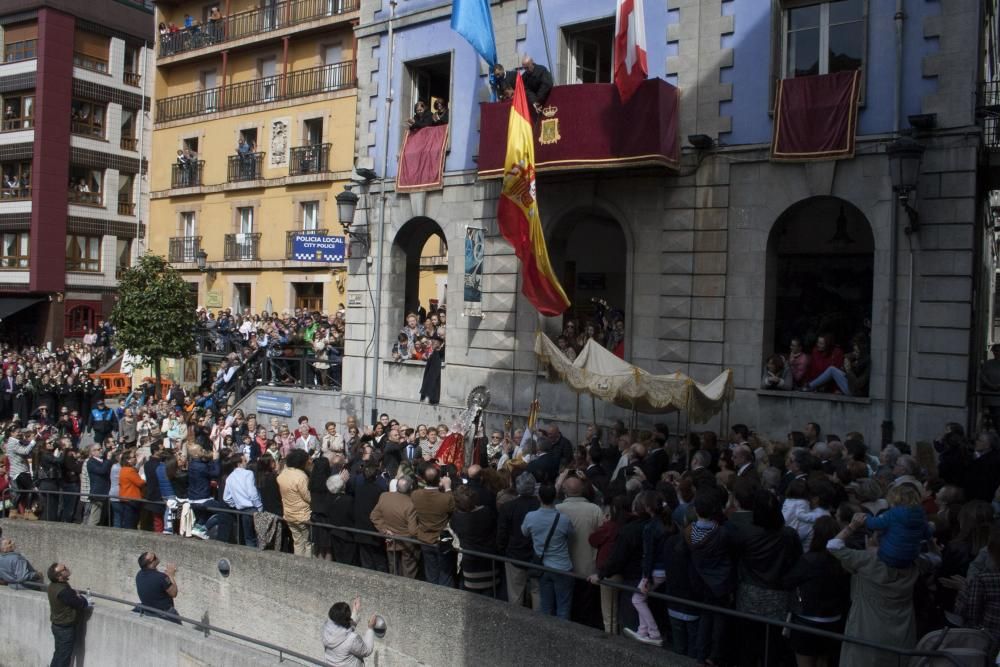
pixel 475 253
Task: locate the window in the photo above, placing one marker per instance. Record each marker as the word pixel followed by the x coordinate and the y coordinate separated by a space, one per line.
pixel 209 83
pixel 423 272
pixel 249 136
pixel 310 216
pixel 90 51
pixel 18 111
pixel 128 140
pixel 308 296
pixel 267 68
pixel 81 318
pixel 429 80
pixel 188 224
pixel 245 219
pixel 130 72
pixel 83 253
pixel 126 187
pixel 123 256
pixel 88 118
pixel 14 250
pixel 824 38
pixel 312 131
pixel 20 41
pixel 86 186
pixel 591 50
pixel 819 279
pixel 16 182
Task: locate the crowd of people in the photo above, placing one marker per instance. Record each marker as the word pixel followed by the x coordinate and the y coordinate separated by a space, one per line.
pixel 606 327
pixel 825 368
pixel 815 528
pixel 192 34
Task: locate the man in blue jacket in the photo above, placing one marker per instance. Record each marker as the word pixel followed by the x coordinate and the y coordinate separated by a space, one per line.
pixel 102 421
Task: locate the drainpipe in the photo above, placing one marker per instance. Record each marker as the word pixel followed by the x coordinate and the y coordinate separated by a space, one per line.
pixel 284 66
pixel 890 362
pixel 377 333
pixel 137 249
pixel 222 88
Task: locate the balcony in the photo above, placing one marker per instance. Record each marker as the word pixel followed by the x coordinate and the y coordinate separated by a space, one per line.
pixel 290 239
pixel 15 194
pixel 254 22
pixel 132 79
pixel 312 81
pixel 242 247
pixel 313 159
pixel 129 143
pixel 988 110
pixel 98 65
pixel 125 204
pixel 87 129
pixel 184 249
pixel 86 198
pixel 187 175
pixel 585 127
pixel 245 167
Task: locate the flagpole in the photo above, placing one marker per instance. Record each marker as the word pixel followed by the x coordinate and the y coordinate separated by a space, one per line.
pixel 513 363
pixel 545 35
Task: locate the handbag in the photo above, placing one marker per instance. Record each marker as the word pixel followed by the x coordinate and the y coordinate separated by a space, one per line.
pixel 537 559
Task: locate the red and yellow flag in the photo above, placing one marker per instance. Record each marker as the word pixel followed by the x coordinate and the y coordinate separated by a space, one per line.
pixel 517 214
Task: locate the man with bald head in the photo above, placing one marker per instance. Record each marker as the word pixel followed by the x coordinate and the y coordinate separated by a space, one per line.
pixel 537 83
pixel 561 446
pixel 586 517
pixel 744 462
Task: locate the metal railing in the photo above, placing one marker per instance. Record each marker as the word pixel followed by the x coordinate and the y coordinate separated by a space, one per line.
pixel 988 110
pixel 242 247
pixel 245 167
pixel 254 22
pixel 200 625
pixel 89 62
pixel 184 249
pixel 87 129
pixel 187 175
pixel 311 81
pixel 129 143
pixel 86 198
pixel 290 239
pixel 311 159
pixel 131 78
pixel 231 533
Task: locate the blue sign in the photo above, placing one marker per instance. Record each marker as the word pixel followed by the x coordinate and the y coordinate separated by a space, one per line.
pixel 270 404
pixel 312 248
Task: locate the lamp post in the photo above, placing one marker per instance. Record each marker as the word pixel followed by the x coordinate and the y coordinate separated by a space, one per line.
pixel 905 155
pixel 202 259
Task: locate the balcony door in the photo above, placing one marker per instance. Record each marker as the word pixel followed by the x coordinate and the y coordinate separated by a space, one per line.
pixel 332 54
pixel 309 296
pixel 244 237
pixel 310 216
pixel 189 230
pixel 209 84
pixel 268 69
pixel 590 49
pixel 313 131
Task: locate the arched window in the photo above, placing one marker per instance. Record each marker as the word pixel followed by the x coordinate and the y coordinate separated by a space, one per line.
pixel 589 254
pixel 418 275
pixel 819 286
pixel 81 317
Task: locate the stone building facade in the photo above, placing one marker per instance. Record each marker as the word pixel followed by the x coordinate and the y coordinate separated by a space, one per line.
pixel 703 260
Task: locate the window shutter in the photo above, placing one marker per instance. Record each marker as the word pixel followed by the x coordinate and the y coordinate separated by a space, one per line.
pixel 91 45
pixel 20 32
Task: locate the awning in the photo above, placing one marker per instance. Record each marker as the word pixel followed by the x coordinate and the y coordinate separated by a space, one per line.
pixel 598 372
pixel 12 305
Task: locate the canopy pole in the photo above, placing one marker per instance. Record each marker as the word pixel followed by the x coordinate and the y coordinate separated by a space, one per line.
pixel 578 419
pixel 593 408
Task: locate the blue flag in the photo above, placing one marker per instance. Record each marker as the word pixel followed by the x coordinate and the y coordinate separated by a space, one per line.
pixel 472 20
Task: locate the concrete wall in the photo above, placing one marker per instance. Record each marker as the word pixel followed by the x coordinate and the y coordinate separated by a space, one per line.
pixel 113 636
pixel 284 600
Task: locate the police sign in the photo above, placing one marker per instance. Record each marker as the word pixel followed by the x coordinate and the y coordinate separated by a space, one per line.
pixel 312 248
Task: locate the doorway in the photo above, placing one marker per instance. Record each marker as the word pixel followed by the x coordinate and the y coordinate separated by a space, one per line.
pixel 308 296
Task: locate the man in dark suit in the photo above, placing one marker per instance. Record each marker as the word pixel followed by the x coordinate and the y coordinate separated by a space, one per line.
pixel 562 448
pixel 8 390
pixel 537 83
pixel 502 82
pixel 595 472
pixel 744 463
pixel 545 467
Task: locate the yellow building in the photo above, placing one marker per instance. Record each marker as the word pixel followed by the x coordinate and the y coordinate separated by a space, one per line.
pixel 253 139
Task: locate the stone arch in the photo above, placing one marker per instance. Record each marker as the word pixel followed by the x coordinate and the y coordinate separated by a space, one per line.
pixel 820 274
pixel 408 247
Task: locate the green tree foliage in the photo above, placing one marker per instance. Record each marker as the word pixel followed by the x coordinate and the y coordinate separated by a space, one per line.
pixel 153 318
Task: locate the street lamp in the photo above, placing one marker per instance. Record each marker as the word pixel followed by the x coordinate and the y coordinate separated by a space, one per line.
pixel 347 204
pixel 905 155
pixel 202 259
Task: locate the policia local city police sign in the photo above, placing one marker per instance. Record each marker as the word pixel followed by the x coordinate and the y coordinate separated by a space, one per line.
pixel 312 248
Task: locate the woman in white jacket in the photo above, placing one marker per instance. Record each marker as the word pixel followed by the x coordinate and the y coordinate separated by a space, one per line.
pixel 343 646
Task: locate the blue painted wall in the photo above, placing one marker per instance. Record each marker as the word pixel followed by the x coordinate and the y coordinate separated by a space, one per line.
pixel 750 41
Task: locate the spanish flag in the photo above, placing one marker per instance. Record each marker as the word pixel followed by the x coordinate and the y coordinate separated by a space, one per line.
pixel 517 214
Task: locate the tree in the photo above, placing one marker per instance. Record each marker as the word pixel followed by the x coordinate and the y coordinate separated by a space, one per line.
pixel 154 317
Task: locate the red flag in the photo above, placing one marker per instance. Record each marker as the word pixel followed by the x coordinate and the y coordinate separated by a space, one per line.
pixel 630 64
pixel 517 212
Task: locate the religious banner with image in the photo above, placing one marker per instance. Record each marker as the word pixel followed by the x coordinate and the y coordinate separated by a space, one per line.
pixel 475 253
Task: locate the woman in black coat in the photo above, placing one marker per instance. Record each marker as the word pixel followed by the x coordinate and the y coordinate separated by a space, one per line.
pixel 820 597
pixel 318 502
pixel 475 526
pixel 339 511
